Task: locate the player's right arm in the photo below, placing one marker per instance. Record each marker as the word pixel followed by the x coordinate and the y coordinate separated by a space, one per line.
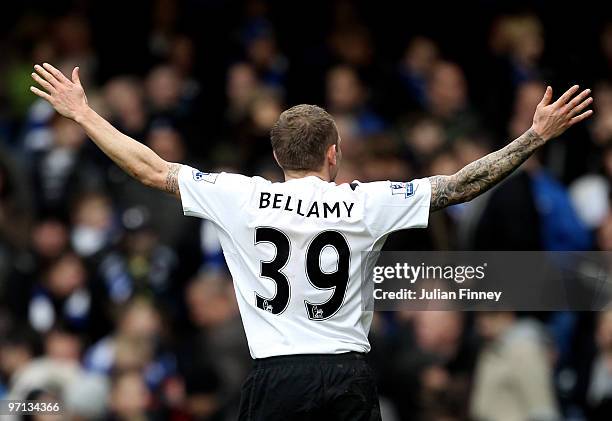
pixel 68 98
pixel 549 121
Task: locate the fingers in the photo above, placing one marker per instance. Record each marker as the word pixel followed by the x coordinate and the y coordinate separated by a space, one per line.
pixel 56 73
pixel 579 98
pixel 567 95
pixel 547 96
pixel 75 76
pixel 581 117
pixel 578 109
pixel 43 83
pixel 46 75
pixel 40 93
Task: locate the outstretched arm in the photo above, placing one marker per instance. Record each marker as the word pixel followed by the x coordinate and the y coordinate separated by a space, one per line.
pixel 549 121
pixel 68 98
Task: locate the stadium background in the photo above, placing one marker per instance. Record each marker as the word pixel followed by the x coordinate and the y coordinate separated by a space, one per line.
pixel 115 302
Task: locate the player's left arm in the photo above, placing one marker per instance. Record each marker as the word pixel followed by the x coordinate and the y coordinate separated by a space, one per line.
pixel 549 121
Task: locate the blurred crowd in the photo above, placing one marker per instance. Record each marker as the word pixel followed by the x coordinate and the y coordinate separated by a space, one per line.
pixel 114 302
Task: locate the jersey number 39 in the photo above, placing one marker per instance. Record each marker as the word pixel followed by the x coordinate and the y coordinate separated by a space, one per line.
pixel 273 269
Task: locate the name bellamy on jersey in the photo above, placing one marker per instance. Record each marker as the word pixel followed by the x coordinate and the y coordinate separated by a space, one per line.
pixel 316 209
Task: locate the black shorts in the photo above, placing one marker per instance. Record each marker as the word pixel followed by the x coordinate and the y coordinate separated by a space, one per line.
pixel 310 387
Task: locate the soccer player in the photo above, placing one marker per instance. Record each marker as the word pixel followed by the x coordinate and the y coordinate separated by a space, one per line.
pixel 294 248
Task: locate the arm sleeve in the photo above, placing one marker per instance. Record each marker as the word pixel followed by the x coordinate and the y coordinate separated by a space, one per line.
pixel 392 206
pixel 212 196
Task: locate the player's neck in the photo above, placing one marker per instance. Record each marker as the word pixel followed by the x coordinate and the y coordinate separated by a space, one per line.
pixel 293 175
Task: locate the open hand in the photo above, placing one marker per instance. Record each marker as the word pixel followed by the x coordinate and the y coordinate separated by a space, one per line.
pixel 550 120
pixel 67 96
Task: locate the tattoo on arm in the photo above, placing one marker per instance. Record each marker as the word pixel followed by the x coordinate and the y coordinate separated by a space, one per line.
pixel 172 178
pixel 479 176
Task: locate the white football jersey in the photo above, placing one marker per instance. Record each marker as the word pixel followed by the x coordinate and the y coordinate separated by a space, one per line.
pixel 294 250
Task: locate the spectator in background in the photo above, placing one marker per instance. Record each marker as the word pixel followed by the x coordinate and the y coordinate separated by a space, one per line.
pixel 164 20
pixel 161 212
pixel 30 44
pixel 88 398
pixel 516 43
pixel 183 59
pixel 212 253
pixel 445 377
pixel 252 139
pixel 130 398
pixel 15 217
pixel 513 378
pixel 242 85
pixel 124 98
pixel 72 41
pixel 63 169
pixel 169 99
pixel 447 99
pixel 424 137
pixel 590 197
pixel 262 52
pixel 93 226
pixel 590 192
pixel 140 265
pixel 599 393
pixel 382 160
pixel 519 39
pixel 53 372
pixel 351 41
pixel 163 88
pixel 265 109
pixel 215 359
pixel 604 233
pixel 604 243
pixel 136 344
pixel 158 217
pixel 38 135
pixel 424 362
pixel 354 142
pixel 415 68
pixel 350 172
pixel 561 228
pixel 167 142
pixel 61 296
pixel 346 96
pixel 606 49
pixel 48 241
pixel 17 350
pixel 602 124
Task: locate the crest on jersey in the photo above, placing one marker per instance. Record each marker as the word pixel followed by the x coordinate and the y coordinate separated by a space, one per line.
pixel 268 307
pixel 317 313
pixel 405 189
pixel 205 176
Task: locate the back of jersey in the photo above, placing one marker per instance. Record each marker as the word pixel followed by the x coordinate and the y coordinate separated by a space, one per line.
pixel 294 250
